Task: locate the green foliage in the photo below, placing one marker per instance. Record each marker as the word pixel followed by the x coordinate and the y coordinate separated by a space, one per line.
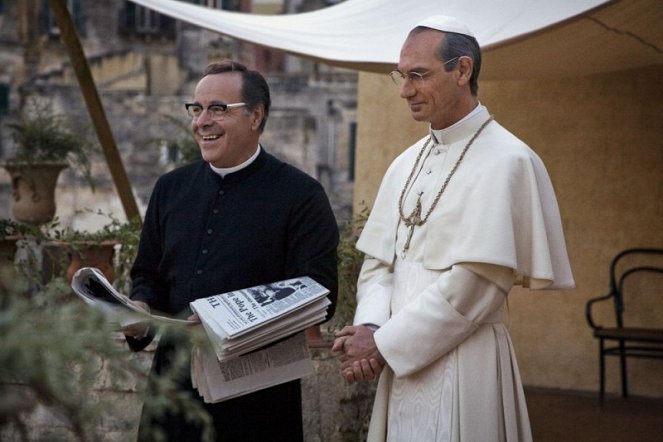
pixel 11 228
pixel 42 137
pixel 349 264
pixel 124 233
pixel 59 353
pixel 51 355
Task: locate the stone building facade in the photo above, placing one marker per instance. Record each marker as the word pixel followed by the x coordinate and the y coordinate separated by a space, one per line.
pixel 145 67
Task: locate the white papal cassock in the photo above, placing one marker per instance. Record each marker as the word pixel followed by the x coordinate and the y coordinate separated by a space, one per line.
pixel 452 373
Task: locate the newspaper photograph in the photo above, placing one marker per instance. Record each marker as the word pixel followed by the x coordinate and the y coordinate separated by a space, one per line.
pixel 239 311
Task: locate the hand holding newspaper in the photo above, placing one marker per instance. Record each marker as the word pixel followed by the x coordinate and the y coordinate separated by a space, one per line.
pixel 91 286
pixel 240 326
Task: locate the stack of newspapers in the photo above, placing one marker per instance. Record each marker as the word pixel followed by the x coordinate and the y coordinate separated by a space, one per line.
pixel 255 335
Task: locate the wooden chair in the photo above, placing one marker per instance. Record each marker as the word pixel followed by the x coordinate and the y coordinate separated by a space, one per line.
pixel 630 336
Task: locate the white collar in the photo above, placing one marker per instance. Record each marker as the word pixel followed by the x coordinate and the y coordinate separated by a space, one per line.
pixel 223 171
pixel 458 130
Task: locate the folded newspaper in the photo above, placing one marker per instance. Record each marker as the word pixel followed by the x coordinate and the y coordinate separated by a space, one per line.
pixel 91 286
pixel 244 320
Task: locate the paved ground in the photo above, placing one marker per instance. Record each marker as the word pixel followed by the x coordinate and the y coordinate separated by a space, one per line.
pixel 562 416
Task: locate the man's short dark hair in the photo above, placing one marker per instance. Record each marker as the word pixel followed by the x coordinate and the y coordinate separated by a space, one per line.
pixel 255 90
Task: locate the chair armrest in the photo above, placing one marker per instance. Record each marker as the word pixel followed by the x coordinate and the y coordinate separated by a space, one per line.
pixel 588 309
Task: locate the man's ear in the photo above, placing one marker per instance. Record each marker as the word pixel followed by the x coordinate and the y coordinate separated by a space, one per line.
pixel 257 115
pixel 465 68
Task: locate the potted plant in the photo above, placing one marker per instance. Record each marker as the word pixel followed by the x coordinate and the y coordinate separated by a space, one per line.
pixel 111 249
pixel 43 147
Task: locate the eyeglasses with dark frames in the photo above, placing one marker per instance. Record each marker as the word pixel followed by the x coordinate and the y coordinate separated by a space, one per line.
pixel 215 111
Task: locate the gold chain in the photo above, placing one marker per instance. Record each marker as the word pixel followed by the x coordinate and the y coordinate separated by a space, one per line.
pixel 414 219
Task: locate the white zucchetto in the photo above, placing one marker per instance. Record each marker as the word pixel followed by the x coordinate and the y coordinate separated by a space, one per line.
pixel 446 23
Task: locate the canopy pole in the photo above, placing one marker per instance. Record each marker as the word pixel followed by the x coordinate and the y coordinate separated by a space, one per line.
pixel 81 68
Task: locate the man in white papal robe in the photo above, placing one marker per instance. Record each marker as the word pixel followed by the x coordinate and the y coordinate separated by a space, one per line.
pixel 460 217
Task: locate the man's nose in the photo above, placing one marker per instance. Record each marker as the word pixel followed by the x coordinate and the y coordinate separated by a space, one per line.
pixel 406 89
pixel 204 118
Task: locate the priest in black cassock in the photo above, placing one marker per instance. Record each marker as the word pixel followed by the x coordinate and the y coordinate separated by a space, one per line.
pixel 235 219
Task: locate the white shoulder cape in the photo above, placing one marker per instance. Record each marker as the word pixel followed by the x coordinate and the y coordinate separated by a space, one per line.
pixel 499 208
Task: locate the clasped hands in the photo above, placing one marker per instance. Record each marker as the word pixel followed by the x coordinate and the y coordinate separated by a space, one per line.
pixel 360 358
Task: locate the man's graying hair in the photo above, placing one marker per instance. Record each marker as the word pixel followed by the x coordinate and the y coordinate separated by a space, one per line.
pixel 254 91
pixel 456 45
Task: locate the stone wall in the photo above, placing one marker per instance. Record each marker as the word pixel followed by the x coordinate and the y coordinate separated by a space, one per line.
pixel 298 131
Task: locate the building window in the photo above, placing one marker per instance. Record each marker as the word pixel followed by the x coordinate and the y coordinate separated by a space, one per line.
pixel 50 27
pixel 216 4
pixel 147 21
pixel 139 21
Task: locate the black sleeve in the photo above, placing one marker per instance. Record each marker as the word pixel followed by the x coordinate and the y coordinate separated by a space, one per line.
pixel 313 239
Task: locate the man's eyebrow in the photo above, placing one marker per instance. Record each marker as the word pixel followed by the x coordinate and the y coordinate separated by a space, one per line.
pixel 413 69
pixel 212 103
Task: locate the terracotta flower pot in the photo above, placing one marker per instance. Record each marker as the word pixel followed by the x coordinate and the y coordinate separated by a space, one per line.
pixel 61 258
pixel 99 255
pixel 34 191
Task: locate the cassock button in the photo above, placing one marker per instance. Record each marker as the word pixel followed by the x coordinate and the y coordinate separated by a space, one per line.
pixel 215 211
pixel 199 272
pixel 221 192
pixel 204 251
pixel 437 151
pixel 209 231
pixel 428 172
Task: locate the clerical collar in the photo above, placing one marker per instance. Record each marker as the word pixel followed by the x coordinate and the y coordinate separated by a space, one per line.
pixel 457 131
pixel 223 171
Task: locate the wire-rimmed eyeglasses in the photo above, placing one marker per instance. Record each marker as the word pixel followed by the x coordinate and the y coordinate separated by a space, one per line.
pixel 416 78
pixel 215 111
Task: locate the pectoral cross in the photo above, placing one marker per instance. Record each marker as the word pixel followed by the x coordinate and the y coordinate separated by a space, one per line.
pixel 411 221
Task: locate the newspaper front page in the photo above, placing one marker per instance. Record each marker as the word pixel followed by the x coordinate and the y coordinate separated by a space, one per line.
pixel 241 311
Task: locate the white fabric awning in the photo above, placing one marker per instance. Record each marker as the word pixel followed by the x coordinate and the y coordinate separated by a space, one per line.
pixel 520 38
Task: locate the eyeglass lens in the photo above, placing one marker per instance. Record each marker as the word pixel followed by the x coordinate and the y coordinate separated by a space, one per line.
pixel 216 111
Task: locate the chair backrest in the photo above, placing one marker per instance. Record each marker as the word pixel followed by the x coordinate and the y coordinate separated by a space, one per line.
pixel 637 274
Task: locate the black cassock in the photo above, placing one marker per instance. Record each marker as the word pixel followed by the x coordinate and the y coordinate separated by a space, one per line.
pixel 205 235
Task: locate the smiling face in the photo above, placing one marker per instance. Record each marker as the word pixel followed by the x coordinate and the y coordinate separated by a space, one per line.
pixel 231 140
pixel 442 97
